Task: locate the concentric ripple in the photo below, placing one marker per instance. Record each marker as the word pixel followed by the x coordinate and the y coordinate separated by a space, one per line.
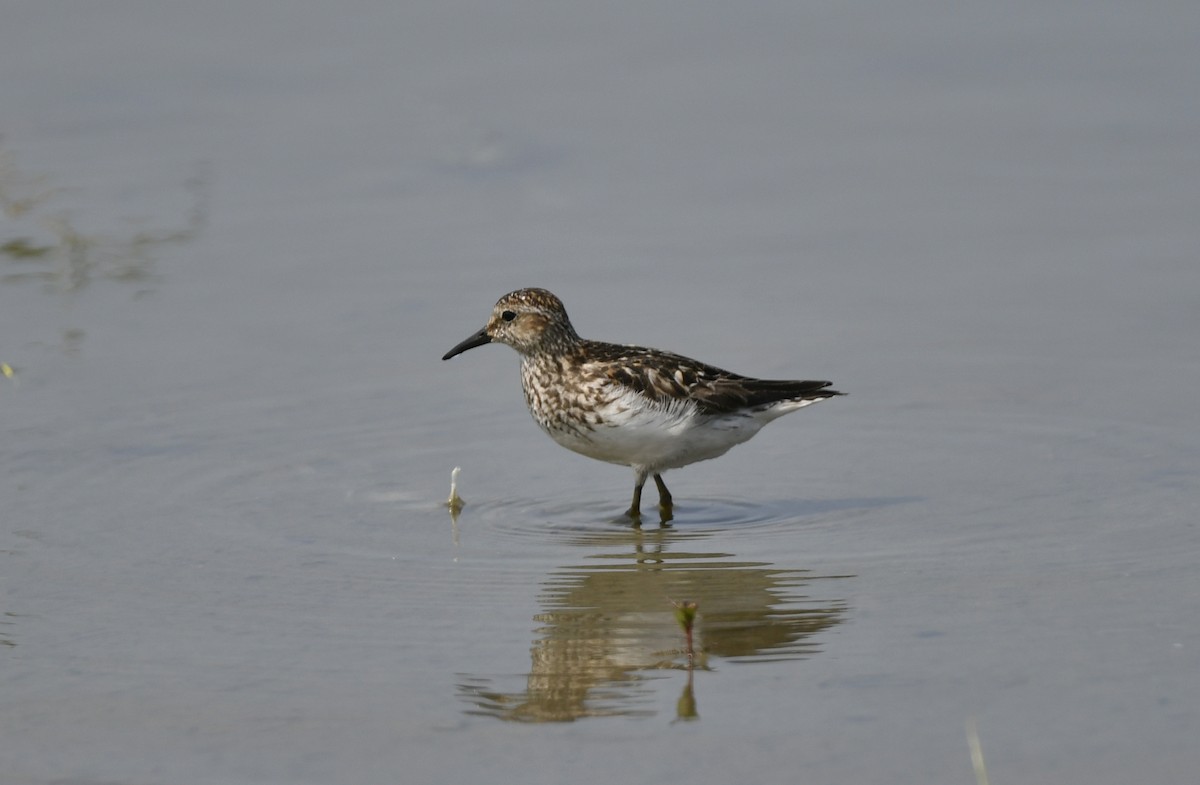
pixel 541 518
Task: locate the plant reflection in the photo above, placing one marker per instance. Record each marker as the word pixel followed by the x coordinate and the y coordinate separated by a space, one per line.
pixel 611 626
pixel 54 252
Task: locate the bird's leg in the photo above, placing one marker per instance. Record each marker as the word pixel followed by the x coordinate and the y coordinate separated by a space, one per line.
pixel 635 509
pixel 665 504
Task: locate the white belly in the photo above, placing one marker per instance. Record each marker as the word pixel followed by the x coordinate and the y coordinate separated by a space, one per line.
pixel 632 432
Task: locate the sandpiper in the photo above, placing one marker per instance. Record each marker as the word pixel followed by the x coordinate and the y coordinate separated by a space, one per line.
pixel 638 407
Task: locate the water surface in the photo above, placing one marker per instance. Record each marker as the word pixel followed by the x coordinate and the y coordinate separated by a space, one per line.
pixel 237 242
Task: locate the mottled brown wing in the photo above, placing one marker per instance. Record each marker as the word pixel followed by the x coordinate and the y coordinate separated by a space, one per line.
pixel 660 376
pixel 663 376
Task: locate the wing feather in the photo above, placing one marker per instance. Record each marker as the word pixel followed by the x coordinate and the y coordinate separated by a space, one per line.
pixel 665 377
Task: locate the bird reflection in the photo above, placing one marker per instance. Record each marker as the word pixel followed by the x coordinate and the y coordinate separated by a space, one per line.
pixel 609 628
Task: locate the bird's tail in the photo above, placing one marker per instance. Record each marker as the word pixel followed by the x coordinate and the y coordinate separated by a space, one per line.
pixel 765 391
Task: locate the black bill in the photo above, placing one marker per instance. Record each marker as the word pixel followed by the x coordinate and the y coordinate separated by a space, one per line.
pixel 478 339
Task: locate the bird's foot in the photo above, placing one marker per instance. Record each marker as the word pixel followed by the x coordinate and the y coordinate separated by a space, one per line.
pixel 635 517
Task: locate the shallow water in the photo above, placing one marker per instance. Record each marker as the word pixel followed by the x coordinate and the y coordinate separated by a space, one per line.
pixel 237 244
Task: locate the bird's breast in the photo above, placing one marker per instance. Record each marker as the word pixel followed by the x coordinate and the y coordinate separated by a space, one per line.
pixel 601 419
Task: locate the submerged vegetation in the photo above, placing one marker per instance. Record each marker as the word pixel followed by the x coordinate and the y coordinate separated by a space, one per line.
pixel 43 244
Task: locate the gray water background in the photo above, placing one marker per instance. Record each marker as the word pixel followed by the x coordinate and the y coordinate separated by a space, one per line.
pixel 239 237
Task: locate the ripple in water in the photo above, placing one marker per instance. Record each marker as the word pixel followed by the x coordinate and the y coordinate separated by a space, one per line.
pixel 541 518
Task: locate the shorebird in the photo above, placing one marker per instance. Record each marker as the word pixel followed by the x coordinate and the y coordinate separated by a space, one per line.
pixel 630 405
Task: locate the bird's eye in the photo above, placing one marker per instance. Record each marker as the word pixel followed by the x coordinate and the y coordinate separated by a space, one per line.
pixel 508 316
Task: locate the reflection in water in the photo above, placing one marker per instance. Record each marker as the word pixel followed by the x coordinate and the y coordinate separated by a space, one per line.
pixel 5 637
pixel 685 707
pixel 610 625
pixel 50 249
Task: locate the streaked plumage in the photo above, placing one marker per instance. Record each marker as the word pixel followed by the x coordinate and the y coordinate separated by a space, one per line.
pixel 638 407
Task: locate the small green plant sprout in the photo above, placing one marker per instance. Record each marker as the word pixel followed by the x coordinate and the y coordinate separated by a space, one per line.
pixel 685 614
pixel 455 502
